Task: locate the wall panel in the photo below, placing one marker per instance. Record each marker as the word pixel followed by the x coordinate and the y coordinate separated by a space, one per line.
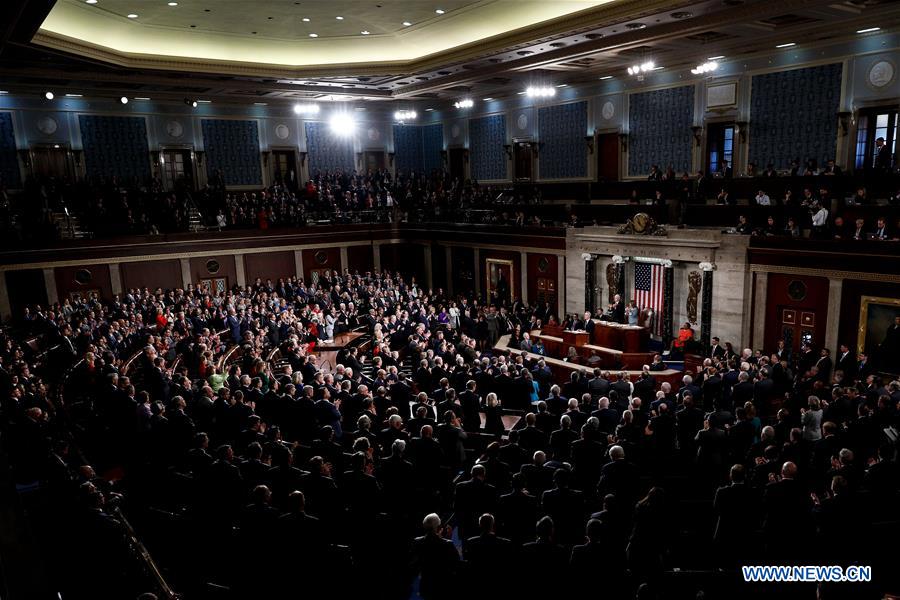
pixel 660 129
pixel 151 274
pixel 793 115
pixel 232 148
pixel 269 265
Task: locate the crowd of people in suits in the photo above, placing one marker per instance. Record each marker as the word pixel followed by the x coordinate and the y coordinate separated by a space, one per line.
pixel 474 472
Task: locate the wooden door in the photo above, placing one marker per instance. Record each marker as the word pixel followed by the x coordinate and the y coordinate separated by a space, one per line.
pixel 50 161
pixel 608 157
pixel 374 160
pixel 177 169
pixel 458 163
pixel 523 162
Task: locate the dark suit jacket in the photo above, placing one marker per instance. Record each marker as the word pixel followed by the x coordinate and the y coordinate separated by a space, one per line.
pixel 473 498
pixel 735 507
pixel 438 563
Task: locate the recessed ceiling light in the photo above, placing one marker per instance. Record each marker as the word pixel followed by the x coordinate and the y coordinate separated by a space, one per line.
pixel 520 93
pixel 364 32
pixel 788 45
pixel 314 35
pixel 132 16
pixel 305 19
pixel 204 101
pixel 720 57
pixel 605 77
pixel 124 99
pixel 90 1
pixel 658 68
pixel 339 18
pixel 73 95
pixel 488 99
pixel 868 30
pixel 260 103
pixel 141 98
pixel 563 85
pixel 429 109
pixel 49 95
pixel 3 92
pixel 173 4
pixel 439 11
pixel 406 23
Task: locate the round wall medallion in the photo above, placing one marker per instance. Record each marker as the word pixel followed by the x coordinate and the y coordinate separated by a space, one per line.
pixel 321 257
pixel 796 290
pixel 282 131
pixel 454 131
pixel 522 121
pixel 175 129
pixel 212 266
pixel 881 74
pixel 83 276
pixel 373 134
pixel 47 125
pixel 608 110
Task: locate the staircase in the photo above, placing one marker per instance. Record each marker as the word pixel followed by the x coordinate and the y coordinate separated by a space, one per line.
pixel 68 227
pixel 195 221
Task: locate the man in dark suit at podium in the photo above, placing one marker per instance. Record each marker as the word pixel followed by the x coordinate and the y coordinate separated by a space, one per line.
pixel 588 324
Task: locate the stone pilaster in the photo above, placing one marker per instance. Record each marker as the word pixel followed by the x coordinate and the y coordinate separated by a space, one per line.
pixel 706 303
pixel 668 302
pixel 590 274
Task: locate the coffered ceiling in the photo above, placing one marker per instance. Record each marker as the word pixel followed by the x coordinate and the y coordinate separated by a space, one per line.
pixel 486 48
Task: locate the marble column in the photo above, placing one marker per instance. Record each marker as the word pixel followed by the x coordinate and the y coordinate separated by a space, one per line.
pixel 706 304
pixel 344 260
pixel 668 302
pixel 376 257
pixel 298 263
pixel 560 286
pixel 115 278
pixel 590 270
pixel 239 272
pixel 760 297
pixel 429 272
pixel 523 285
pixel 5 308
pixel 476 258
pixel 619 261
pixel 835 290
pixel 448 256
pixel 50 284
pixel 185 272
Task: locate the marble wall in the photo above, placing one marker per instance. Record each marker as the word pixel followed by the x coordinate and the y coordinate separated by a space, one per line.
pixel 686 248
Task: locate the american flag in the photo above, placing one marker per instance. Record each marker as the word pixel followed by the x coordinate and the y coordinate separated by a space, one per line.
pixel 648 291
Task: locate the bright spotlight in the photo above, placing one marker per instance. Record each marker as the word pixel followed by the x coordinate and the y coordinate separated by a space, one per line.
pixel 123 100
pixel 49 95
pixel 342 124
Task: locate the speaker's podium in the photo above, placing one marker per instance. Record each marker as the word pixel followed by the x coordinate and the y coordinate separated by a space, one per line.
pixel 576 338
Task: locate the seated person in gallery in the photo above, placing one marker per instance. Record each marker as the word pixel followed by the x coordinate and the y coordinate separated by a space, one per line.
pixel 572 356
pixel 538 347
pixel 632 313
pixel 615 312
pixel 684 339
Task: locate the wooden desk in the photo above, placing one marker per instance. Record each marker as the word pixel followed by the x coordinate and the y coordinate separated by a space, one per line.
pixel 610 358
pixel 628 338
pixel 575 338
pixel 561 369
